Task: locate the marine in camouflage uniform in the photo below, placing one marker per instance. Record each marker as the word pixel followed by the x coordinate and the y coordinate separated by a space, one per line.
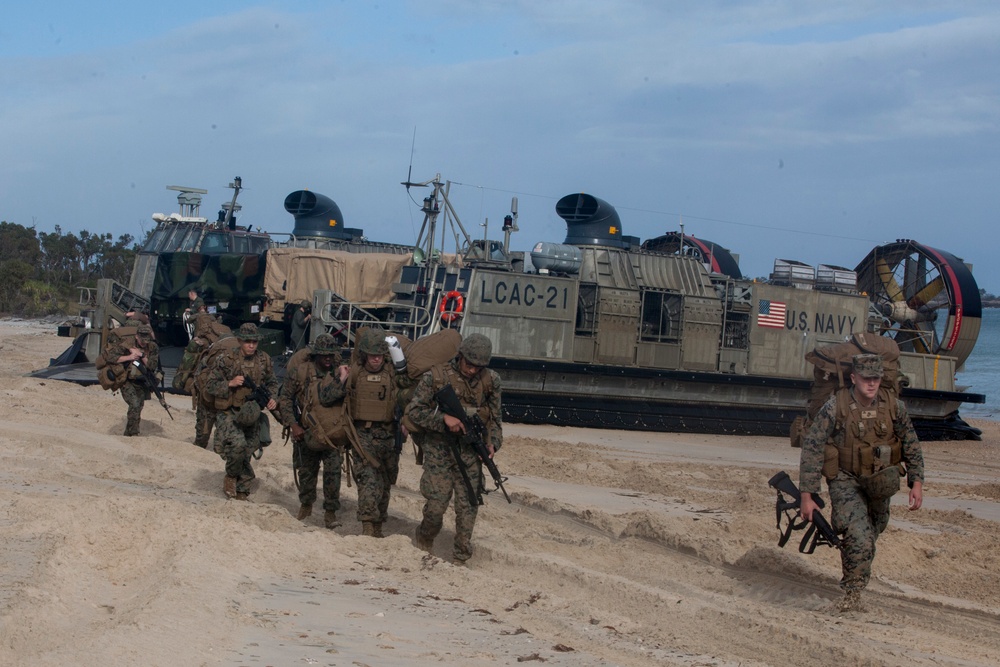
pixel 196 305
pixel 204 404
pixel 849 432
pixel 479 390
pixel 239 422
pixel 300 325
pixel 124 347
pixel 308 453
pixel 372 386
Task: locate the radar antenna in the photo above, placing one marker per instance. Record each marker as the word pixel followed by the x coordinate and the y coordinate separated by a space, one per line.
pixel 189 200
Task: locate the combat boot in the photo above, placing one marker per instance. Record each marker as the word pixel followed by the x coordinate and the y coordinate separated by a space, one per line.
pixel 368 529
pixel 422 542
pixel 242 496
pixel 304 512
pixel 330 519
pixel 377 529
pixel 851 602
pixel 229 486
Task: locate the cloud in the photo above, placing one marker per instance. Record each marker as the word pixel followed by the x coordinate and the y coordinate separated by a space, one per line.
pixel 886 123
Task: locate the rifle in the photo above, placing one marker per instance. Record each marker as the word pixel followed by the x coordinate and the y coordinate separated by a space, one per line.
pixel 475 431
pixel 819 530
pixel 259 395
pixel 149 378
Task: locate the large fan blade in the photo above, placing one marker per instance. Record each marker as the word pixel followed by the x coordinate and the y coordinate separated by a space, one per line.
pixel 927 295
pixel 885 274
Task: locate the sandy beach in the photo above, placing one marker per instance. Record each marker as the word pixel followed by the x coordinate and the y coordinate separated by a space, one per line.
pixel 619 548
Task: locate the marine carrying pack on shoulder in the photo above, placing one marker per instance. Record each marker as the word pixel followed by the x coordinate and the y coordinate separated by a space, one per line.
pixel 113 377
pixel 832 371
pixel 208 357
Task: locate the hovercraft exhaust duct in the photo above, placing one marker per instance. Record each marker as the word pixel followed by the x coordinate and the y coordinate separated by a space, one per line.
pixel 590 221
pixel 318 216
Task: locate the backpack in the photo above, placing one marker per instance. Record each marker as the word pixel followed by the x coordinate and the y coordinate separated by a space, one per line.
pixel 113 377
pixel 207 359
pixel 832 371
pixel 326 425
pixel 429 351
pixel 184 377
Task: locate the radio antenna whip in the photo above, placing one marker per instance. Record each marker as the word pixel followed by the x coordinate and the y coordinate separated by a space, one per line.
pixel 409 172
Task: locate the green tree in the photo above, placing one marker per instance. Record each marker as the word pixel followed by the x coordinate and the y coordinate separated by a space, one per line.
pixel 19 242
pixel 14 275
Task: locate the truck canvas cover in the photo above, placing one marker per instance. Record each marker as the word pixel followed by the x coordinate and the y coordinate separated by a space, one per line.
pixel 293 273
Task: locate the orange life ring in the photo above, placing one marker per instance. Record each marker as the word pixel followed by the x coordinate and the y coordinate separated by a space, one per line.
pixel 451 314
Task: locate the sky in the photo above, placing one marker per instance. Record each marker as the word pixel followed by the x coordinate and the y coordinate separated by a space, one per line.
pixel 804 130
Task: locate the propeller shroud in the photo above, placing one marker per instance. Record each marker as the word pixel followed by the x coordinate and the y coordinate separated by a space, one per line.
pixel 928 299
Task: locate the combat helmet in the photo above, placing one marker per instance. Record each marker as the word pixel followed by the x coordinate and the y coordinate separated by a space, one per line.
pixel 325 344
pixel 144 331
pixel 248 331
pixel 476 349
pixel 373 342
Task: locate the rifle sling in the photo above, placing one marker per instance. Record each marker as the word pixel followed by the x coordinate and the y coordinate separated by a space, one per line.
pixel 355 440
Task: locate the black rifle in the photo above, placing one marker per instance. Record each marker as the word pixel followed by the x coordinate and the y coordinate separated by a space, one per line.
pixel 150 380
pixel 259 395
pixel 818 531
pixel 475 434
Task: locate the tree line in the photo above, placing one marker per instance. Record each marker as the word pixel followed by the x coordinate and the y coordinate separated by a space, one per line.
pixel 40 272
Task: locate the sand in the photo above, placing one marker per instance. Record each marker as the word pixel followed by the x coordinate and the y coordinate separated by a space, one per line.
pixel 620 548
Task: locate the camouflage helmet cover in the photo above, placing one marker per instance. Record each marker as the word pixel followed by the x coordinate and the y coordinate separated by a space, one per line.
pixel 248 414
pixel 325 344
pixel 867 365
pixel 373 342
pixel 477 349
pixel 248 331
pixel 144 331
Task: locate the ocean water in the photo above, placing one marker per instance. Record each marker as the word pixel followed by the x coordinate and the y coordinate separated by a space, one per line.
pixel 982 369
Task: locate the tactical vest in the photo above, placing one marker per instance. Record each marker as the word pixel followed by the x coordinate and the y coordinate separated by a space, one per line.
pixel 326 425
pixel 250 368
pixel 373 395
pixel 870 441
pixel 474 398
pixel 832 371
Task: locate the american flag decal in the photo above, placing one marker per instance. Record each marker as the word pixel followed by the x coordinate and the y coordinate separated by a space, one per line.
pixel 771 314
